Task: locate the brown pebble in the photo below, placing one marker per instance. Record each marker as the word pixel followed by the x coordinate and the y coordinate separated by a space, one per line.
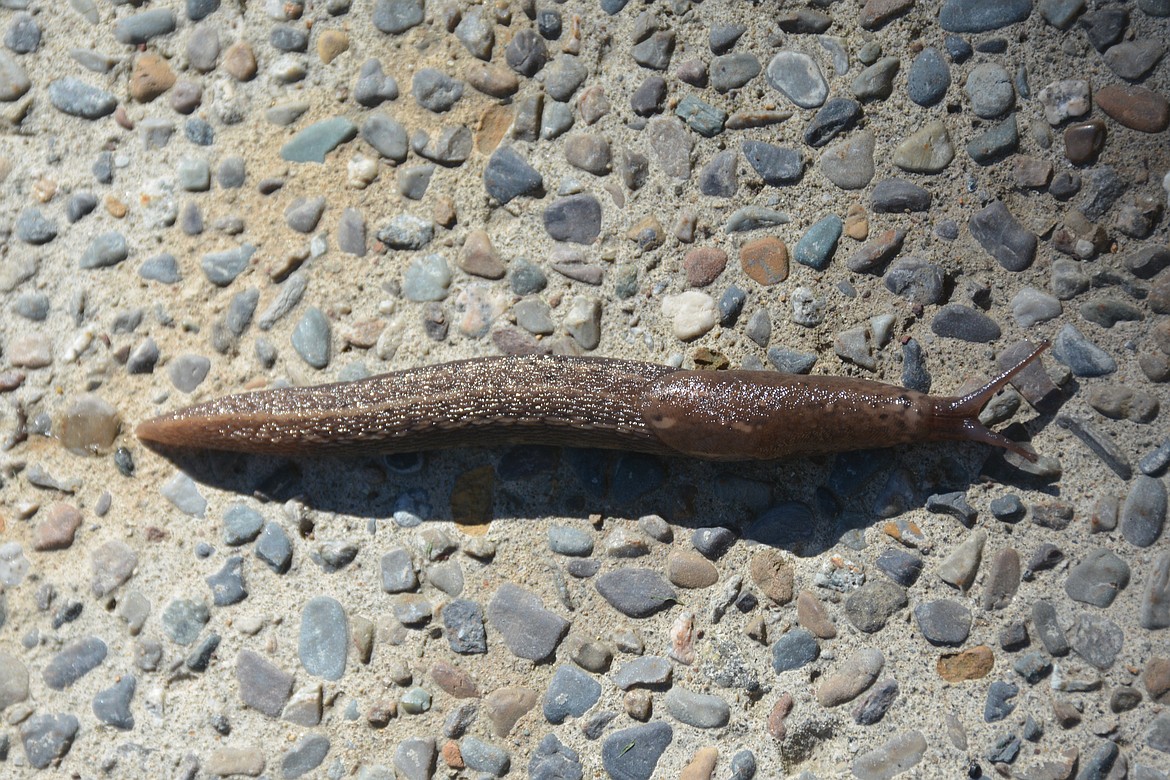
pixel 1003 580
pixel 638 704
pixel 492 80
pixel 703 265
pixel 852 678
pixel 89 424
pixel 445 213
pixel 454 680
pixel 363 334
pixel 873 256
pixel 504 706
pixel 773 574
pixel 1067 715
pixel 151 77
pixel 647 233
pixel 776 726
pixel 702 765
pixel 1031 173
pixel 57 530
pixel 331 45
pixel 240 61
pixel 115 207
pixel 875 13
pixel 381 713
pixel 1083 141
pixel 970 664
pixel 688 569
pixel 811 615
pixel 857 222
pixel 765 260
pixel 1135 107
pixel 1156 678
pixel 452 756
pixel 479 258
pixel 493 124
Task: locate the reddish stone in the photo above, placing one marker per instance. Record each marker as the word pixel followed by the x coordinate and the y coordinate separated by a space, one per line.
pixel 776 718
pixel 967 665
pixel 875 13
pixel 703 265
pixel 765 260
pixel 454 680
pixel 57 530
pixel 1135 107
pixel 1083 141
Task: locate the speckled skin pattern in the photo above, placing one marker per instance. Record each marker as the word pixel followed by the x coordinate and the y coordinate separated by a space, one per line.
pixel 580 402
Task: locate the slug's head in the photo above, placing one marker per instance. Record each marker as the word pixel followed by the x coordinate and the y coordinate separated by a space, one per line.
pixel 958 417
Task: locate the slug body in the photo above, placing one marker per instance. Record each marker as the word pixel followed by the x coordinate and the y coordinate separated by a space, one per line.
pixel 582 402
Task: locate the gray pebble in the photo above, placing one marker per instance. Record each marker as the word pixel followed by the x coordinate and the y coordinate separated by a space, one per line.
pixel 553 760
pixel 48 738
pixel 1097 639
pixel 989 88
pixel 1007 509
pixel 221 268
pixel 633 753
pixel 571 692
pixel 311 338
pixel 527 628
pixel 1097 579
pixel 835 117
pixel 1033 667
pixel 398 575
pixel 564 76
pixel 188 371
pixel 713 542
pixel 776 165
pixel 477 33
pixel 1084 358
pixel 703 711
pixel 74 661
pixel 397 16
pixel 184 619
pixel 655 51
pixel 898 196
pixel 526 53
pixel 999 702
pixel 876 82
pixel 798 77
pixel 263 686
pixel 483 757
pixel 995 143
pixel 944 621
pixel 32 306
pixel 636 592
pixel 794 649
pixel 954 320
pixel 324 638
pixel 732 71
pixel 1003 580
pixel 241 524
pixel 576 218
pixel 373 87
pixel 303 757
pixel 1031 307
pixel 1144 513
pixel 645 671
pixel 303 214
pixel 106 250
pixel 849 163
pixel 901 566
pixel 722 37
pixel 80 205
pixel 184 494
pixel 23 35
pixel 141 27
pixel 427 278
pixel 977 16
pixel 194 174
pixel 227 584
pixel 1003 237
pixel 589 152
pixel 274 547
pixel 647 99
pixel 435 90
pixel 112 705
pixel 508 176
pixel 870 606
pixel 569 541
pixel 1154 462
pixel 318 139
pixel 407 231
pixel 929 78
pixel 702 117
pixel 414 759
pixel 463 624
pixel 33 227
pixel 873 707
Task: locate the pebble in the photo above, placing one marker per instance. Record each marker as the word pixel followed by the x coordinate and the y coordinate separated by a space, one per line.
pixel 483 757
pixel 303 757
pixel 633 753
pixel 435 90
pixel 973 16
pixel 570 693
pixel 1084 358
pixel 798 77
pixel 817 246
pixel 870 606
pixel 956 321
pixel 222 268
pixel 274 548
pixel 929 78
pixel 732 71
pixel 374 87
pixel 47 738
pixel 1144 512
pixel 1097 579
pixel 1134 107
pixel 112 705
pixel 74 661
pixel 718 177
pixel 1097 639
pixel 1033 667
pixel 893 757
pixel 576 218
pixel 527 628
pixel 849 163
pixel 876 82
pixel 394 17
pixel 315 141
pixel 943 621
pixel 324 638
pixel 635 592
pixel 852 678
pixel 1003 237
pixel 553 760
pixel 898 196
pixel 703 711
pixel 835 117
pixel 1000 701
pixel 958 569
pixel 926 150
pixel 704 118
pixel 1032 307
pixel 227 585
pixel 972 664
pixel 1067 99
pixel 794 649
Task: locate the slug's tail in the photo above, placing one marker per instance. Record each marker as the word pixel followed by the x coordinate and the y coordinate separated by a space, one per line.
pixel 958 417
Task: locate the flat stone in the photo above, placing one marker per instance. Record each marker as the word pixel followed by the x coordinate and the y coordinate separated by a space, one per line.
pixel 1000 701
pixel 324 638
pixel 1003 237
pixel 690 570
pixel 849 163
pixel 636 592
pixel 966 323
pixel 571 692
pixel 835 117
pixel 1144 514
pixel 1097 579
pixel 1003 579
pixel 262 685
pixel 703 711
pixel 895 756
pixel 926 150
pixel 112 705
pixel 317 140
pixel 646 671
pixel 853 677
pixel 798 77
pixel 1138 108
pixel 972 664
pixel 633 753
pixel 73 96
pixel 794 649
pixel 1082 356
pixel 48 738
pixel 974 16
pixel 929 78
pixel 1097 639
pixel 1155 609
pixel 528 629
pixel 765 260
pixel 898 196
pixel 74 661
pixel 944 621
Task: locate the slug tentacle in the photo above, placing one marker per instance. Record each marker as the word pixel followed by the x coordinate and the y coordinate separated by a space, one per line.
pixel 958 417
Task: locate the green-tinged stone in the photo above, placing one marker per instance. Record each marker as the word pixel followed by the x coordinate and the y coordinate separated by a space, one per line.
pixel 318 140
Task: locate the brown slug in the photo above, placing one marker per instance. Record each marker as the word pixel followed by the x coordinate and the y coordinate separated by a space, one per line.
pixel 583 402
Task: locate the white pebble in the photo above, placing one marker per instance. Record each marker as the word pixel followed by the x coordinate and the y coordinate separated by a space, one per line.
pixel 692 314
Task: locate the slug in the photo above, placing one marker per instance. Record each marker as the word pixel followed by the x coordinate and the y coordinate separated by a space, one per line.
pixel 583 402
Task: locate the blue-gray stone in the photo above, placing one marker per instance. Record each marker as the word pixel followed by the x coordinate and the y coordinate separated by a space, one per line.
pixel 427 278
pixel 701 710
pixel 553 760
pixel 901 566
pixel 877 81
pixel 221 268
pixel 324 638
pixel 874 706
pixel 654 52
pixel 227 584
pixel 1003 237
pixel 80 205
pixel 1097 579
pixel 777 165
pixel 288 38
pixel 798 77
pixel 305 756
pixel 74 97
pixel 563 77
pixel 526 53
pixel 980 16
pixel 141 27
pixel 564 540
pixel 788 525
pixel 476 31
pixel 965 323
pixel 397 16
pixel 713 542
pixel 570 692
pixel 1097 639
pixel 241 524
pixel 576 218
pixel 33 227
pixel 834 118
pixel 1083 357
pixel 414 759
pixel 435 90
pixel 47 738
pixel 995 143
pixel 23 35
pixel 717 178
pixel 398 574
pixel 183 619
pixel 722 37
pixel 730 305
pixel 731 71
pixel 483 757
pixel 184 494
pixel 194 174
pixel 406 231
pixel 1144 512
pixel 386 135
pixel 373 87
pixel 636 592
pixel 104 251
pixel 999 702
pixel 463 624
pixel 897 196
pixel 1033 667
pixel 527 628
pixel 754 217
pixel 704 118
pixel 303 214
pixel 645 671
pixel 929 77
pixel 873 604
pixel 112 705
pixel 274 547
pixel 794 649
pixel 263 686
pixel 413 180
pixel 743 765
pixel 310 338
pixel 75 660
pixel 1100 762
pixel 508 175
pixel 989 89
pixel 633 753
pixel 943 621
pixel 32 306
pixel 318 139
pixel 188 371
pixel 915 280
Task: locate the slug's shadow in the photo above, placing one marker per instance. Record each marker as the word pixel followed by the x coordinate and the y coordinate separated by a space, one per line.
pixel 805 505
